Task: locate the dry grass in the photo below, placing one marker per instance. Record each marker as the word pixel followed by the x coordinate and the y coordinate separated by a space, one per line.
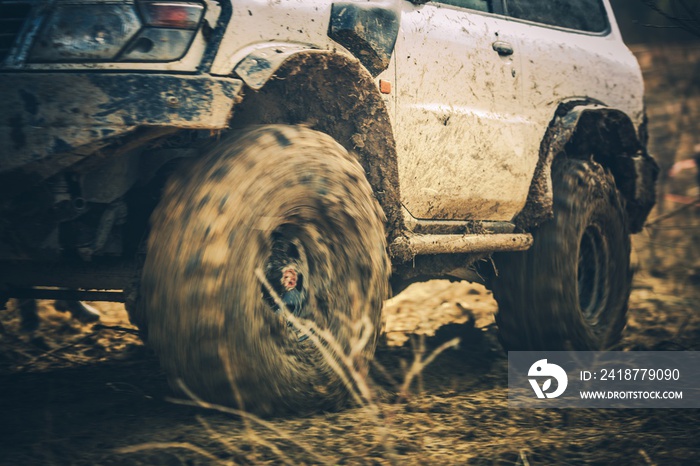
pixel 455 412
pixel 416 409
pixel 443 423
pixel 275 440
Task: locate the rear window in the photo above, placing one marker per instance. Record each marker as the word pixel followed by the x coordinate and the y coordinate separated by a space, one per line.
pixel 582 15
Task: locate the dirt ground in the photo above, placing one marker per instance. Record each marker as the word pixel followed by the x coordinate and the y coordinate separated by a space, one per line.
pixel 74 394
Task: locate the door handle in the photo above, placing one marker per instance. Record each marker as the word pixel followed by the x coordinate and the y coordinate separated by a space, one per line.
pixel 504 49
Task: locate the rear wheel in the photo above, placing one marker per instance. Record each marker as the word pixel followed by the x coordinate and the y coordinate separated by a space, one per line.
pixel 571 289
pixel 277 219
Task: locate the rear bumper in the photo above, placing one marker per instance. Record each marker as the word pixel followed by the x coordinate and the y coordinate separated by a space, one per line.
pixel 46 114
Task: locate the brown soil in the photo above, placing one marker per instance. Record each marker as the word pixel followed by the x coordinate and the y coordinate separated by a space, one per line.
pixel 73 394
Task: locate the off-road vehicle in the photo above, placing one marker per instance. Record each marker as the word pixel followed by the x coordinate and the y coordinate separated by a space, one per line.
pixel 254 175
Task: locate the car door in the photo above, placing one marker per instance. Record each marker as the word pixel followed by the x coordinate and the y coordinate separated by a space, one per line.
pixel 459 132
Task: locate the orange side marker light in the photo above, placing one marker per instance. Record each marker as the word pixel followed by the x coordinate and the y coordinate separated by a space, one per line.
pixel 384 86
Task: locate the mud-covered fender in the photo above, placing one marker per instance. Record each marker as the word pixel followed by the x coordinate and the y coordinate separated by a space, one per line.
pixel 583 130
pixel 334 93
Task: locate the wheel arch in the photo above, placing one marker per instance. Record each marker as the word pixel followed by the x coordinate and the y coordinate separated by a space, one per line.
pixel 585 129
pixel 335 94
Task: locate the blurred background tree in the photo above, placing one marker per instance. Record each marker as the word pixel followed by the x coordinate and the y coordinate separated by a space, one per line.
pixel 682 13
pixel 665 37
pixel 655 21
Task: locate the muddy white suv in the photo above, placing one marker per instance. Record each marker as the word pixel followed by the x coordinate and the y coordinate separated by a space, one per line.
pixel 255 174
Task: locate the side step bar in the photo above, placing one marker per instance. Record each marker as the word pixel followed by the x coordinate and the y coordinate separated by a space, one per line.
pixel 404 248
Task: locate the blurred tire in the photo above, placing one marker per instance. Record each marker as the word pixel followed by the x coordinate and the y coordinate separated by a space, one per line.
pixel 293 204
pixel 571 289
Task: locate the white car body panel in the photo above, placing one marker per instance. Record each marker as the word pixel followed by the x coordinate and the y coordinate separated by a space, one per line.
pixel 463 148
pixel 256 23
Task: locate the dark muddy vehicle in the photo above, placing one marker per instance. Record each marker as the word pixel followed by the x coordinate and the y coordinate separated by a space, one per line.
pixel 255 175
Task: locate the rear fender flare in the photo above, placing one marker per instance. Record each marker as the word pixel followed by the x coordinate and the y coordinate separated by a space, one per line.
pixel 591 130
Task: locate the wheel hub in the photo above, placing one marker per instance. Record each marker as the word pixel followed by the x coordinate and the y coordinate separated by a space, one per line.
pixel 592 273
pixel 289 278
pixel 284 274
